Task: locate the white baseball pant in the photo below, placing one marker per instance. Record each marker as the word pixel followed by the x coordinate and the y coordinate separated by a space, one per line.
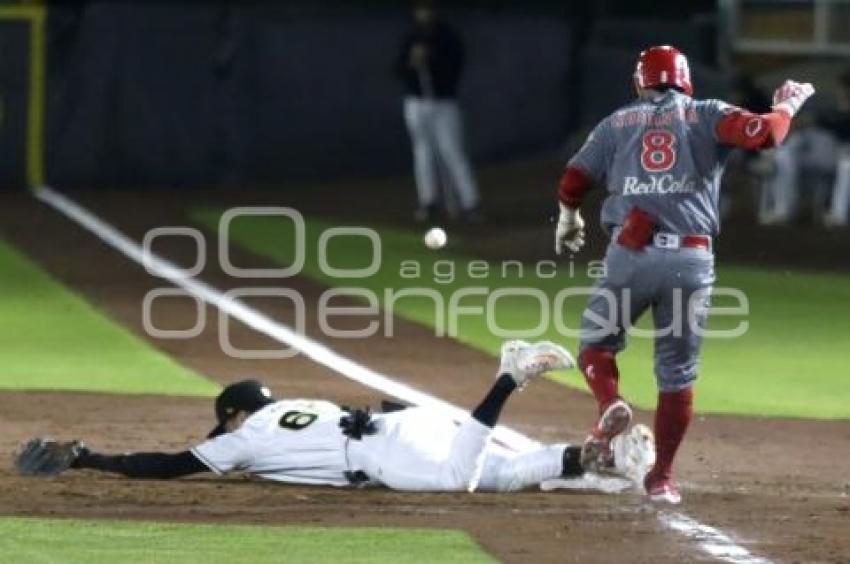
pixel 436 132
pixel 419 449
pixel 839 210
pixel 813 148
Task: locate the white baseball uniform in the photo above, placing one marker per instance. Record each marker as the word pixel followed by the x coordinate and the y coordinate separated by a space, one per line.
pixel 416 449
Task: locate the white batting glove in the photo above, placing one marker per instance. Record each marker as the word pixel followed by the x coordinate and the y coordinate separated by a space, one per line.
pixel 570 231
pixel 791 96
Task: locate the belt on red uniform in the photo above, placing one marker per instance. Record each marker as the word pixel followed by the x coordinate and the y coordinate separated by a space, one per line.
pixel 674 241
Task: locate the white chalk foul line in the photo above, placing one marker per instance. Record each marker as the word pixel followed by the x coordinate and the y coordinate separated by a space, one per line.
pixel 235 308
pixel 710 540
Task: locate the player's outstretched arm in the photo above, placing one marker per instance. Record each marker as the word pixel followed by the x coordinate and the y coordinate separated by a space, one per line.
pixel 47 457
pixel 151 465
pixel 747 130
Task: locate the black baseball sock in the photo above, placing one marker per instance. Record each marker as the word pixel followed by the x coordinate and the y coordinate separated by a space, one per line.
pixel 490 408
pixel 571 466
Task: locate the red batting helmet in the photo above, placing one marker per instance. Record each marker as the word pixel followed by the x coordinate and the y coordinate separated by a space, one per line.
pixel 663 65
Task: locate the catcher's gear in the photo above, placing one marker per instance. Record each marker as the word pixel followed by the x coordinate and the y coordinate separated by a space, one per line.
pixel 791 96
pixel 357 423
pixel 569 234
pixel 663 66
pixel 46 457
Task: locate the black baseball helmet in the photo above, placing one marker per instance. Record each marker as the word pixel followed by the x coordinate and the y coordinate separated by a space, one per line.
pixel 247 395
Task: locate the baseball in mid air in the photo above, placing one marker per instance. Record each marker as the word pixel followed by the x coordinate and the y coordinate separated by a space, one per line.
pixel 435 238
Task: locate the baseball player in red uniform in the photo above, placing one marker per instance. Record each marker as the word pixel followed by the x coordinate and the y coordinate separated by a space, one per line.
pixel 660 158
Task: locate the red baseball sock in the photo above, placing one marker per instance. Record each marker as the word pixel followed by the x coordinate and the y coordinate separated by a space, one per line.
pixel 601 374
pixel 672 417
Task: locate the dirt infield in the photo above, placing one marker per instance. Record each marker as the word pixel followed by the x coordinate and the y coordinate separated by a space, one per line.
pixel 780 487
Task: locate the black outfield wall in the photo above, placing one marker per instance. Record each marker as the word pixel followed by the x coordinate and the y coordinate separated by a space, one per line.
pixel 170 94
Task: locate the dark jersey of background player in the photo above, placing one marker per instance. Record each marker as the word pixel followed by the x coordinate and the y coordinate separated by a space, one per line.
pixel 837 119
pixel 442 56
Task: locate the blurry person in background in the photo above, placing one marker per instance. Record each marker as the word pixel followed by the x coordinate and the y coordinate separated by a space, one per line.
pixel 807 161
pixel 430 65
pixel 815 157
pixel 838 214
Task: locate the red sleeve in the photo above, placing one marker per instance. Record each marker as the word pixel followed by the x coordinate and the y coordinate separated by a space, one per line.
pixel 573 186
pixel 753 131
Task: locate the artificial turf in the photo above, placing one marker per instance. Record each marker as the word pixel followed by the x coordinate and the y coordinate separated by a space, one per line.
pixel 52 339
pixel 789 362
pixel 76 541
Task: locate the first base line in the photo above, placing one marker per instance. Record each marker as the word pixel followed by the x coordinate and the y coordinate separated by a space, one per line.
pixel 710 540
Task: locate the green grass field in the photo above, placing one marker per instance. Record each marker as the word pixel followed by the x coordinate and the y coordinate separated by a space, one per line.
pixel 52 339
pixel 84 542
pixel 789 362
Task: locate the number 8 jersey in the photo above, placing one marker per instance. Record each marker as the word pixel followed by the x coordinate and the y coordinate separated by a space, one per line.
pixel 297 441
pixel 664 156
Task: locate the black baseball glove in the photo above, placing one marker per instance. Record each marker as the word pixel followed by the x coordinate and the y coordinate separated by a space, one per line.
pixel 46 457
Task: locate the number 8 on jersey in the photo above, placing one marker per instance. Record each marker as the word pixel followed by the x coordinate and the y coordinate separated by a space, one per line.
pixel 659 150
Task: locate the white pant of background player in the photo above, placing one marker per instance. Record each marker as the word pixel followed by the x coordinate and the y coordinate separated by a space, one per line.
pixel 436 134
pixel 811 150
pixel 839 211
pixel 418 449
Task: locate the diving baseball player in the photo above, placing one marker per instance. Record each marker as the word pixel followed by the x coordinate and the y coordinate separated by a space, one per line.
pixel 316 442
pixel 660 158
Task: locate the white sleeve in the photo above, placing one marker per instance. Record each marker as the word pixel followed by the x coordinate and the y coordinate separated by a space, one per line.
pixel 225 453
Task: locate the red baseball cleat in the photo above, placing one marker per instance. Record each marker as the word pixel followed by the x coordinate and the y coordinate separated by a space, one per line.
pixel 662 490
pixel 596 454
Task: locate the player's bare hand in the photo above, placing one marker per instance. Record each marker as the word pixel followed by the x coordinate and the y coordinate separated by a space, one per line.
pixel 791 96
pixel 569 234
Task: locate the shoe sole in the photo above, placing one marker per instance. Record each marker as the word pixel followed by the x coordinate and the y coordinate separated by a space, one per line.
pixel 542 363
pixel 539 364
pixel 615 419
